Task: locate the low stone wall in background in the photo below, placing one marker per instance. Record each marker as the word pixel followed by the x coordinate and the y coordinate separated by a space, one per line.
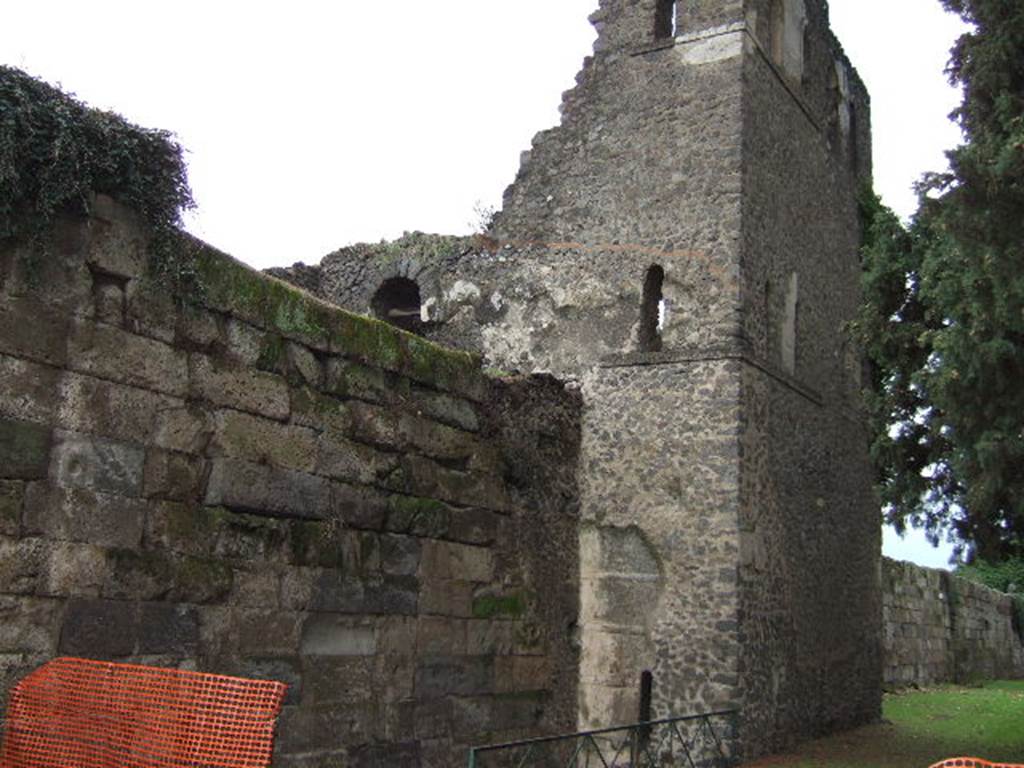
pixel 939 628
pixel 250 481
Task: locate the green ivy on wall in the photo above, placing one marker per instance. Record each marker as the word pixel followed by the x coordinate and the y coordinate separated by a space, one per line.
pixel 56 153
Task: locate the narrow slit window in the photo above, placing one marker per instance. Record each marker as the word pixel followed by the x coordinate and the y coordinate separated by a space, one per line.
pixel 397 301
pixel 646 691
pixel 665 19
pixel 652 310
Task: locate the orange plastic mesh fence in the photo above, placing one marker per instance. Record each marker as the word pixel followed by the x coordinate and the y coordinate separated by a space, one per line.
pixel 973 762
pixel 75 713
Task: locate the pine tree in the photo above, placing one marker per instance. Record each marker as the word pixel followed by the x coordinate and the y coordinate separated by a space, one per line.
pixel 943 320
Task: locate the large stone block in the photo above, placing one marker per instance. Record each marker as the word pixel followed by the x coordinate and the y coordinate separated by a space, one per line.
pixel 150 310
pixel 75 570
pixel 418 516
pixel 263 441
pixel 359 508
pixel 438 676
pixel 155 575
pixel 29 625
pixel 268 490
pixel 12 497
pixel 80 514
pixel 184 428
pixel 24 450
pixel 99 629
pixel 96 464
pixel 311 408
pixel 447 409
pixel 310 728
pixel 336 592
pixel 394 429
pixel 400 555
pixel 117 243
pixel 328 635
pixel 237 387
pixel 350 462
pixel 168 628
pixel 172 475
pixel 104 408
pixel 30 329
pixel 422 477
pixel 267 633
pixel 23 565
pixel 111 353
pixel 29 390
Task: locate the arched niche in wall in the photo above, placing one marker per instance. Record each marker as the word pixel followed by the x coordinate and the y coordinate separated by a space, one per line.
pixel 397 301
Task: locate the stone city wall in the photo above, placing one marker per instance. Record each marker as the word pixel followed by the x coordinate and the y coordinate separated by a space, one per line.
pixel 252 482
pixel 938 628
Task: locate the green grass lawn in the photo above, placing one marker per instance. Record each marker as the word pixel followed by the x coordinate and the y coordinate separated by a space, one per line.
pixel 923 727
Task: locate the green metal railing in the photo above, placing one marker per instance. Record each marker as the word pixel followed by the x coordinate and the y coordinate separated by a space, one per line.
pixel 690 741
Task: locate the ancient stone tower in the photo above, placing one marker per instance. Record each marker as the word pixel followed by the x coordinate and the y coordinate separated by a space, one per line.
pixel 685 246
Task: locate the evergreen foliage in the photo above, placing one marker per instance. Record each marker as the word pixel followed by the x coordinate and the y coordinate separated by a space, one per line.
pixel 55 153
pixel 943 320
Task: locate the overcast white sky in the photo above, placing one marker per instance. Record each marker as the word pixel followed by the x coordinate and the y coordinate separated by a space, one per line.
pixel 314 124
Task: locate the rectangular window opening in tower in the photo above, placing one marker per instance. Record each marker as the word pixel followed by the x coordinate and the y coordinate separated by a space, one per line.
pixel 666 19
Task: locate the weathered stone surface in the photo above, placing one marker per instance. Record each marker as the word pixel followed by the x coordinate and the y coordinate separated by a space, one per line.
pixel 154 575
pixel 400 555
pixel 168 628
pixel 12 497
pixel 419 516
pixel 108 352
pixel 235 387
pixel 262 489
pixel 104 408
pixel 183 428
pixel 447 409
pixel 30 329
pixel 96 464
pixel 325 635
pixel 390 595
pixel 423 477
pixel 199 328
pixel 99 629
pixel 24 450
pixel 29 625
pixel 75 570
pixel 29 390
pixel 358 507
pixel 453 676
pixel 311 728
pixel 447 560
pixel 263 441
pixel 81 514
pixel 116 245
pixel 351 462
pixel 150 311
pixel 108 298
pixel 312 408
pixel 172 475
pixel 267 633
pixel 22 565
pixel 397 430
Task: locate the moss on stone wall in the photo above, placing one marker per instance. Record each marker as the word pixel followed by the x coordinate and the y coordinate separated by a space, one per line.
pixel 498 606
pixel 227 285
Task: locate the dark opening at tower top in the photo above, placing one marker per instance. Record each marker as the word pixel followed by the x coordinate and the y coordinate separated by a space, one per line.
pixel 665 19
pixel 397 301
